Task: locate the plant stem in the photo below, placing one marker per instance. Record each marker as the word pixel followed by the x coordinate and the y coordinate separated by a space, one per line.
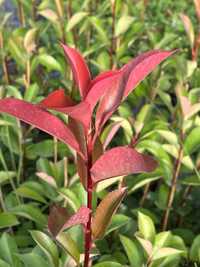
pixel 113 40
pixel 4 61
pixel 88 232
pixel 173 188
pixel 21 13
pixel 145 194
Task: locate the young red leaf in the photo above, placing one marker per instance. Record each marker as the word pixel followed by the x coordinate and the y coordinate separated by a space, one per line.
pixel 109 133
pixel 79 68
pixel 56 99
pixel 105 211
pixel 57 218
pixel 103 75
pixel 110 101
pixel 141 66
pixel 81 112
pixel 121 161
pixel 100 88
pixel 125 81
pixel 80 217
pixel 34 115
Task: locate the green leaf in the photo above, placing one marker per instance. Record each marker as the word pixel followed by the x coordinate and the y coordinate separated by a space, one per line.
pixel 191 180
pixel 8 249
pixel 75 19
pixel 162 238
pixel 192 141
pixel 165 252
pixel 71 198
pixel 123 25
pixel 7 220
pixel 169 136
pixel 118 221
pixel 47 245
pixel 195 249
pixel 132 250
pixel 4 264
pixel 6 176
pixel 47 61
pixel 99 28
pixel 30 212
pixel 32 260
pixel 69 245
pixel 27 192
pixel 146 227
pixel 107 264
pixel 143 179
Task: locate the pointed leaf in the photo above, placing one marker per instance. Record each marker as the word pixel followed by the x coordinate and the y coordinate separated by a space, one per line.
pixel 132 250
pixel 56 99
pixel 109 133
pixel 69 245
pixel 32 259
pixel 80 217
pixel 39 118
pixel 121 161
pixel 79 68
pixel 47 245
pixel 142 66
pixel 146 244
pixel 146 227
pixel 105 211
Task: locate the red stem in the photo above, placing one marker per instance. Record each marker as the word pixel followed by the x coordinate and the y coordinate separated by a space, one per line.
pixel 88 232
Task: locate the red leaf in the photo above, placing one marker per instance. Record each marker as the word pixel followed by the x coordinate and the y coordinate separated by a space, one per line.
pixel 103 75
pixel 57 218
pixel 110 101
pixel 81 112
pixel 80 217
pixel 141 66
pixel 34 115
pixel 99 88
pixel 79 68
pixel 56 99
pixel 113 129
pixel 121 161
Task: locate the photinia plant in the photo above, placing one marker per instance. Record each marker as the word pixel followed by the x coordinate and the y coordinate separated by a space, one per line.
pixel 82 133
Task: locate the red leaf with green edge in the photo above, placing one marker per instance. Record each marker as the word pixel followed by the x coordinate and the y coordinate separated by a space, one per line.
pixel 56 99
pixel 79 68
pixel 57 218
pixel 80 217
pixel 121 161
pixel 141 66
pixel 105 210
pixel 39 118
